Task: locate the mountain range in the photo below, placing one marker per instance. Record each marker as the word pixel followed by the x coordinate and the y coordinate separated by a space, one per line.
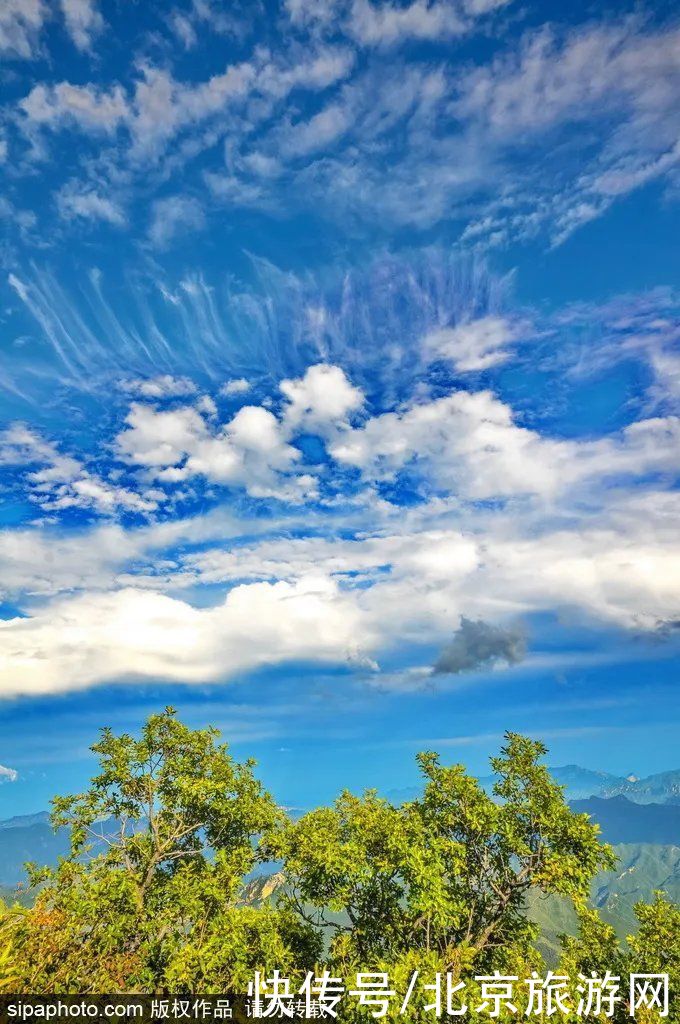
pixel 581 783
pixel 639 817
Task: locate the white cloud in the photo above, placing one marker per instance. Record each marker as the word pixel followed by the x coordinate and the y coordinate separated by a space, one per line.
pixel 591 71
pixel 666 367
pixel 82 201
pixel 160 439
pixel 237 386
pixel 8 774
pixel 388 24
pixel 160 106
pixel 632 174
pixel 417 578
pixel 249 451
pixel 63 482
pixel 616 77
pixel 318 132
pixel 83 21
pixel 469 444
pixel 252 449
pixel 49 559
pixel 163 386
pixel 320 401
pixel 454 137
pixel 207 406
pixel 385 24
pixel 231 189
pixel 172 216
pixel 76 642
pixel 310 12
pixel 184 30
pixel 480 7
pixel 473 346
pixel 414 585
pixel 85 106
pixel 511 521
pixel 163 106
pixel 316 72
pixel 20 25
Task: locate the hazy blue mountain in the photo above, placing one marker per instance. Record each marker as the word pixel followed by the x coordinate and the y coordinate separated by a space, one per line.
pixel 584 782
pixel 661 788
pixel 623 821
pixel 28 838
pixel 578 782
pixel 24 820
pixel 581 783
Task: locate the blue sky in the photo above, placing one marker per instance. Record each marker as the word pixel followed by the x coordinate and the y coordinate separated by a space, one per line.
pixel 340 383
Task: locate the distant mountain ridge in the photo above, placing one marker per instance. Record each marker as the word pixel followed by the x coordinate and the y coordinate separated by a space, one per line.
pixel 28 838
pixel 623 821
pixel 645 837
pixel 25 820
pixel 628 810
pixel 582 783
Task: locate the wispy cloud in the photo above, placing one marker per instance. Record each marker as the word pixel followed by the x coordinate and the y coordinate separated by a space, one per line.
pixel 83 21
pixel 76 201
pixel 172 216
pixel 287 126
pixel 8 774
pixel 20 25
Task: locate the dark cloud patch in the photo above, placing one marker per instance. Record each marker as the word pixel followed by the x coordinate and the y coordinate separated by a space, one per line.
pixel 667 628
pixel 477 644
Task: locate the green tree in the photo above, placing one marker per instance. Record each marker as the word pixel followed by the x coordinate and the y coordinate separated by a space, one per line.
pixel 446 874
pixel 653 949
pixel 152 894
pixel 9 918
pixel 150 897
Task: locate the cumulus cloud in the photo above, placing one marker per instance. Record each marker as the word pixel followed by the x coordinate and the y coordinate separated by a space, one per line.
pixel 565 528
pixel 477 644
pixel 237 386
pixel 249 451
pixel 96 637
pixel 321 400
pixel 469 443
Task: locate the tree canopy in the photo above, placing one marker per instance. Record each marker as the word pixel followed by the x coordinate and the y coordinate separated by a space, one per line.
pixel 154 894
